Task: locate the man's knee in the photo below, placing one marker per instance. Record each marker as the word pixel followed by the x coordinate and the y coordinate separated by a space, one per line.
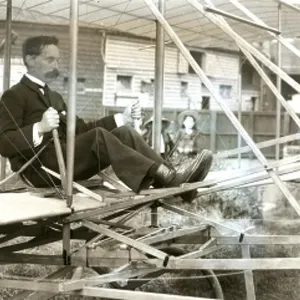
pixel 124 131
pixel 99 131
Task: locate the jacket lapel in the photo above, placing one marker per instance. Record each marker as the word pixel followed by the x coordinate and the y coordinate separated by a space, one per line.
pixel 35 87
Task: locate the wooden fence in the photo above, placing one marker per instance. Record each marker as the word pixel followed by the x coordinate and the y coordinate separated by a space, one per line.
pixel 221 135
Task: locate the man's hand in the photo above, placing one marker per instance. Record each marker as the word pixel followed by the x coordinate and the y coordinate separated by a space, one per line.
pixel 132 112
pixel 49 121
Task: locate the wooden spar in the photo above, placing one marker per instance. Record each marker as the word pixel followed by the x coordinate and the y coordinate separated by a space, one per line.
pixel 159 93
pixel 267 80
pixel 243 46
pixel 278 86
pixel 159 80
pixel 60 158
pixel 279 38
pixel 230 264
pixel 71 120
pixel 105 278
pixel 290 178
pixel 29 295
pixel 130 295
pixel 244 180
pixel 239 40
pixel 22 258
pixel 240 108
pixel 169 192
pixel 199 218
pixel 261 145
pixel 6 69
pixel 123 239
pixel 289 5
pixel 30 285
pixel 242 20
pixel 259 240
pixel 248 275
pixel 26 165
pixel 78 186
pixel 294 203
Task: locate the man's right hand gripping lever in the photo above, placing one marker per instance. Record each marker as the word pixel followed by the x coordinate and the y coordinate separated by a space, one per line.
pixel 50 121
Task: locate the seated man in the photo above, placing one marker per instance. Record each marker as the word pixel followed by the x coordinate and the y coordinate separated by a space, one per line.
pixel 29 111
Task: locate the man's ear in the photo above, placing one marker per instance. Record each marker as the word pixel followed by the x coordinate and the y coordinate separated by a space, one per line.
pixel 30 60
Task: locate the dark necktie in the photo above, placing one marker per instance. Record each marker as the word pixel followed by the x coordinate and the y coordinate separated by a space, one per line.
pixel 46 93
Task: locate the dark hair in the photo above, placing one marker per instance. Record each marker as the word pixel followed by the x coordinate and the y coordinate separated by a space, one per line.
pixel 35 45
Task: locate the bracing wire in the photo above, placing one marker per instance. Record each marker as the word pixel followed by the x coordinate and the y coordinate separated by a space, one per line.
pixel 31 148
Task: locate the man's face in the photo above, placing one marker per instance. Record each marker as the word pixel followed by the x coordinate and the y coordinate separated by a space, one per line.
pixel 45 66
pixel 189 122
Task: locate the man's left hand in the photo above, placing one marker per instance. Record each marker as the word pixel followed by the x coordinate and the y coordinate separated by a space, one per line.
pixel 132 112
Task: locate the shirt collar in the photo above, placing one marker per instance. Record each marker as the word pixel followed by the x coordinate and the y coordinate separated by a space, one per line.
pixel 35 80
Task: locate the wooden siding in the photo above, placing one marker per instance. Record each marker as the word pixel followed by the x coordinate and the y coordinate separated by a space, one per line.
pixel 136 58
pixel 136 54
pixel 90 63
pixel 232 102
pixel 221 65
pixel 172 93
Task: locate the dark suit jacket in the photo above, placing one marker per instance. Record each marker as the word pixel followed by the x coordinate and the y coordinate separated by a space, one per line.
pixel 23 105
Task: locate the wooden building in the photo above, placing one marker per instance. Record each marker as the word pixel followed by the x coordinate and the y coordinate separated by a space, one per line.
pixel 115 69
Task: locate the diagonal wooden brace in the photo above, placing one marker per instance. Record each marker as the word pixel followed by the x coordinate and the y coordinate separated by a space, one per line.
pixel 126 240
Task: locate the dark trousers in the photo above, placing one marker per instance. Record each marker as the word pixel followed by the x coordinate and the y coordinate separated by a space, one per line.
pixel 122 148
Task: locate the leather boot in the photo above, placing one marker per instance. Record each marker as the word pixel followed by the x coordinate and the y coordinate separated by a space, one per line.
pixel 204 159
pixel 165 175
pixel 192 171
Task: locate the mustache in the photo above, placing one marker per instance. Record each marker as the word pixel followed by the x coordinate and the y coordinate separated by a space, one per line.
pixel 52 74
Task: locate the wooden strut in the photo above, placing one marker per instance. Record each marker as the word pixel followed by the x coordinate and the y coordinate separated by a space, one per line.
pixel 241 43
pixel 242 20
pixel 213 182
pixel 60 158
pixel 294 203
pixel 128 241
pixel 279 38
pixel 78 186
pixel 26 165
pixel 173 191
pixel 289 5
pixel 220 22
pixel 38 295
pixel 261 145
pixel 246 49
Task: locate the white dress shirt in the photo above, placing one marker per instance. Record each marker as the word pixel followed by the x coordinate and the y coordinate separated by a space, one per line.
pixel 37 138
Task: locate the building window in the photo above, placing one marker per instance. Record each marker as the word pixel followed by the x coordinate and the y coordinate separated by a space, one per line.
pixel 184 89
pixel 124 84
pixel 80 85
pixel 198 56
pixel 147 86
pixel 225 91
pixel 247 74
pixel 205 102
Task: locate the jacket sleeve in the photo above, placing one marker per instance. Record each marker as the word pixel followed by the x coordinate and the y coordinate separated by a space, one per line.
pixel 14 136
